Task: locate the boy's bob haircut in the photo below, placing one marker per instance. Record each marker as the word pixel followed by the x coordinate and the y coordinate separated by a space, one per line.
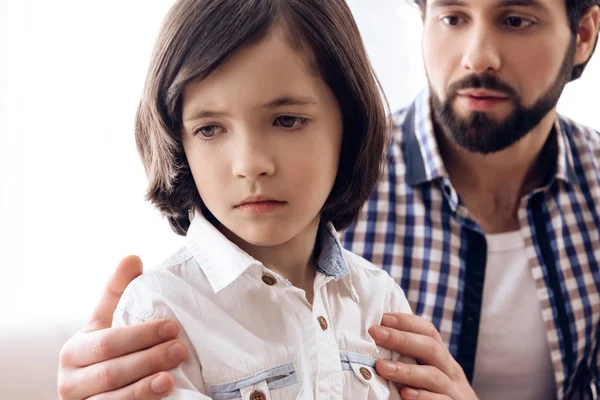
pixel 198 35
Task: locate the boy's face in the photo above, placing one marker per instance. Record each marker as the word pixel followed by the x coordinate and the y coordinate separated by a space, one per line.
pixel 262 135
pixel 495 67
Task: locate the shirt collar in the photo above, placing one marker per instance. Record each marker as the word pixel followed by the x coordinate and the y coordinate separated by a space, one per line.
pixel 220 259
pixel 424 162
pixel 565 169
pixel 223 262
pixel 331 260
pixel 422 155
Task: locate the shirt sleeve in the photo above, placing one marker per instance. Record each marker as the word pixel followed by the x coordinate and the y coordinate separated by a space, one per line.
pixel 137 305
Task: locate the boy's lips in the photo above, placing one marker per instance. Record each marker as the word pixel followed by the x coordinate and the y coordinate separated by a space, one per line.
pixel 257 199
pixel 259 204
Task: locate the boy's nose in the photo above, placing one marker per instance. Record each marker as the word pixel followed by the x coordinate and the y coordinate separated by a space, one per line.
pixel 252 159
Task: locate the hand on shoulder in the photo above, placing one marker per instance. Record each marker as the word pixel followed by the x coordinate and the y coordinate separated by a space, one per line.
pixel 127 362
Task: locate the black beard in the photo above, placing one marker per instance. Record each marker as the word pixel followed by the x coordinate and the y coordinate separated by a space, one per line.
pixel 480 134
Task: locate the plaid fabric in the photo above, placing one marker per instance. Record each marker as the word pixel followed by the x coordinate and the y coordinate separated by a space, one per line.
pixel 416 228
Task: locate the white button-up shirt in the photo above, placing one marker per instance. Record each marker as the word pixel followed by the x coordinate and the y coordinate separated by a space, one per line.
pixel 253 336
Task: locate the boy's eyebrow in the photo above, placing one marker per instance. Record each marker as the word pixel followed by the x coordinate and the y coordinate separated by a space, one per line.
pixel 448 3
pixel 503 3
pixel 278 102
pixel 203 114
pixel 290 101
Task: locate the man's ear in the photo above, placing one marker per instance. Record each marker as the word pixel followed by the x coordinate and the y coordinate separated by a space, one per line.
pixel 587 32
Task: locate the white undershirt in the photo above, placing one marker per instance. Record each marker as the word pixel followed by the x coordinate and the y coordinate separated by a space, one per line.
pixel 513 356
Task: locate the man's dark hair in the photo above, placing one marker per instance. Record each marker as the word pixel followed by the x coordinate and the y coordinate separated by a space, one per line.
pixel 198 35
pixel 575 10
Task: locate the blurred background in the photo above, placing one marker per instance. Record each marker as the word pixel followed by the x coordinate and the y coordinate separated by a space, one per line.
pixel 71 184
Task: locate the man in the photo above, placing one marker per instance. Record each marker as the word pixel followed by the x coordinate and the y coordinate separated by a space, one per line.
pixel 488 215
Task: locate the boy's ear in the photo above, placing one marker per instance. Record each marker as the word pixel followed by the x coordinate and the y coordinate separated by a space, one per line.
pixel 587 32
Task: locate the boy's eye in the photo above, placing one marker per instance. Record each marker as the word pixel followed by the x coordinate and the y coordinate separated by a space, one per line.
pixel 452 20
pixel 517 22
pixel 289 122
pixel 209 131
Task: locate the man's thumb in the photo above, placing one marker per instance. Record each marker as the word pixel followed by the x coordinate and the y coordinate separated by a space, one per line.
pixel 128 269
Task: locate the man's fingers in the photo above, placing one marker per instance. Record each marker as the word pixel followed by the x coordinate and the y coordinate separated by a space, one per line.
pixel 125 371
pixel 153 387
pixel 423 377
pixel 424 349
pixel 128 269
pixel 439 377
pixel 85 349
pixel 416 394
pixel 411 323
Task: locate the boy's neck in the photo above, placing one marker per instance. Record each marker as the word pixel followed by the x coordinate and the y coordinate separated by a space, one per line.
pixel 294 260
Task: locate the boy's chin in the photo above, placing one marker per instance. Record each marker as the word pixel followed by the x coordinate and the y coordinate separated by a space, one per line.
pixel 264 237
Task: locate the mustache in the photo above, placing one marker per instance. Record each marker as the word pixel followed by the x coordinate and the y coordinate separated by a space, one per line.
pixel 484 81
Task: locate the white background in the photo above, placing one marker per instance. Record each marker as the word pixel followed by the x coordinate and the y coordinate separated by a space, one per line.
pixel 71 184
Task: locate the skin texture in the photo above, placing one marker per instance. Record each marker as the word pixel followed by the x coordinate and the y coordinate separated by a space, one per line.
pixel 264 124
pixel 101 362
pixel 480 40
pixel 522 49
pixel 121 363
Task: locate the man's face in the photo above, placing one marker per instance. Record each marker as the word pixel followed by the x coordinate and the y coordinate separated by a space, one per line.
pixel 495 68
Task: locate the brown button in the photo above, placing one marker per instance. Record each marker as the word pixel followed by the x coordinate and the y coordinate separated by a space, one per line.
pixel 269 279
pixel 258 395
pixel 365 373
pixel 322 322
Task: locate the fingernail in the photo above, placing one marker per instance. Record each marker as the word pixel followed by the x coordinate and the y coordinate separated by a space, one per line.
pixel 160 384
pixel 390 367
pixel 380 333
pixel 168 330
pixel 389 320
pixel 177 352
pixel 410 394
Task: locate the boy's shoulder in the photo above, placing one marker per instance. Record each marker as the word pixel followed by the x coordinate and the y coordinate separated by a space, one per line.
pixel 165 279
pixel 374 285
pixel 173 265
pixel 177 259
pixel 365 269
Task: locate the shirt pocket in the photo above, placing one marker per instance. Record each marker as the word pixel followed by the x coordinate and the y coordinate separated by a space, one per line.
pixel 278 383
pixel 361 379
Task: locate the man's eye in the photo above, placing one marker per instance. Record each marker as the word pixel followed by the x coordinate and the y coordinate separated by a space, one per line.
pixel 289 122
pixel 517 22
pixel 209 131
pixel 452 20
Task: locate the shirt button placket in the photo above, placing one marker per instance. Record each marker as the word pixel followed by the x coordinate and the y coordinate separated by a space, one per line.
pixel 258 395
pixel 323 322
pixel 329 380
pixel 269 279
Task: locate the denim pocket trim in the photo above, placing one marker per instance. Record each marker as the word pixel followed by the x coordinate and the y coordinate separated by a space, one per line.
pixel 276 378
pixel 352 358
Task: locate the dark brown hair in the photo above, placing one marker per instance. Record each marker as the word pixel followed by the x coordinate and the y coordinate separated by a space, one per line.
pixel 198 35
pixel 576 9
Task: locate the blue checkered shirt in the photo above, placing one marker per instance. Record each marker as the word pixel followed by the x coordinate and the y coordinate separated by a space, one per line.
pixel 416 228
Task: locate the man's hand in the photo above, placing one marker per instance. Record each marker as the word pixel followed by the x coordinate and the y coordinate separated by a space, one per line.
pixel 438 377
pixel 104 363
